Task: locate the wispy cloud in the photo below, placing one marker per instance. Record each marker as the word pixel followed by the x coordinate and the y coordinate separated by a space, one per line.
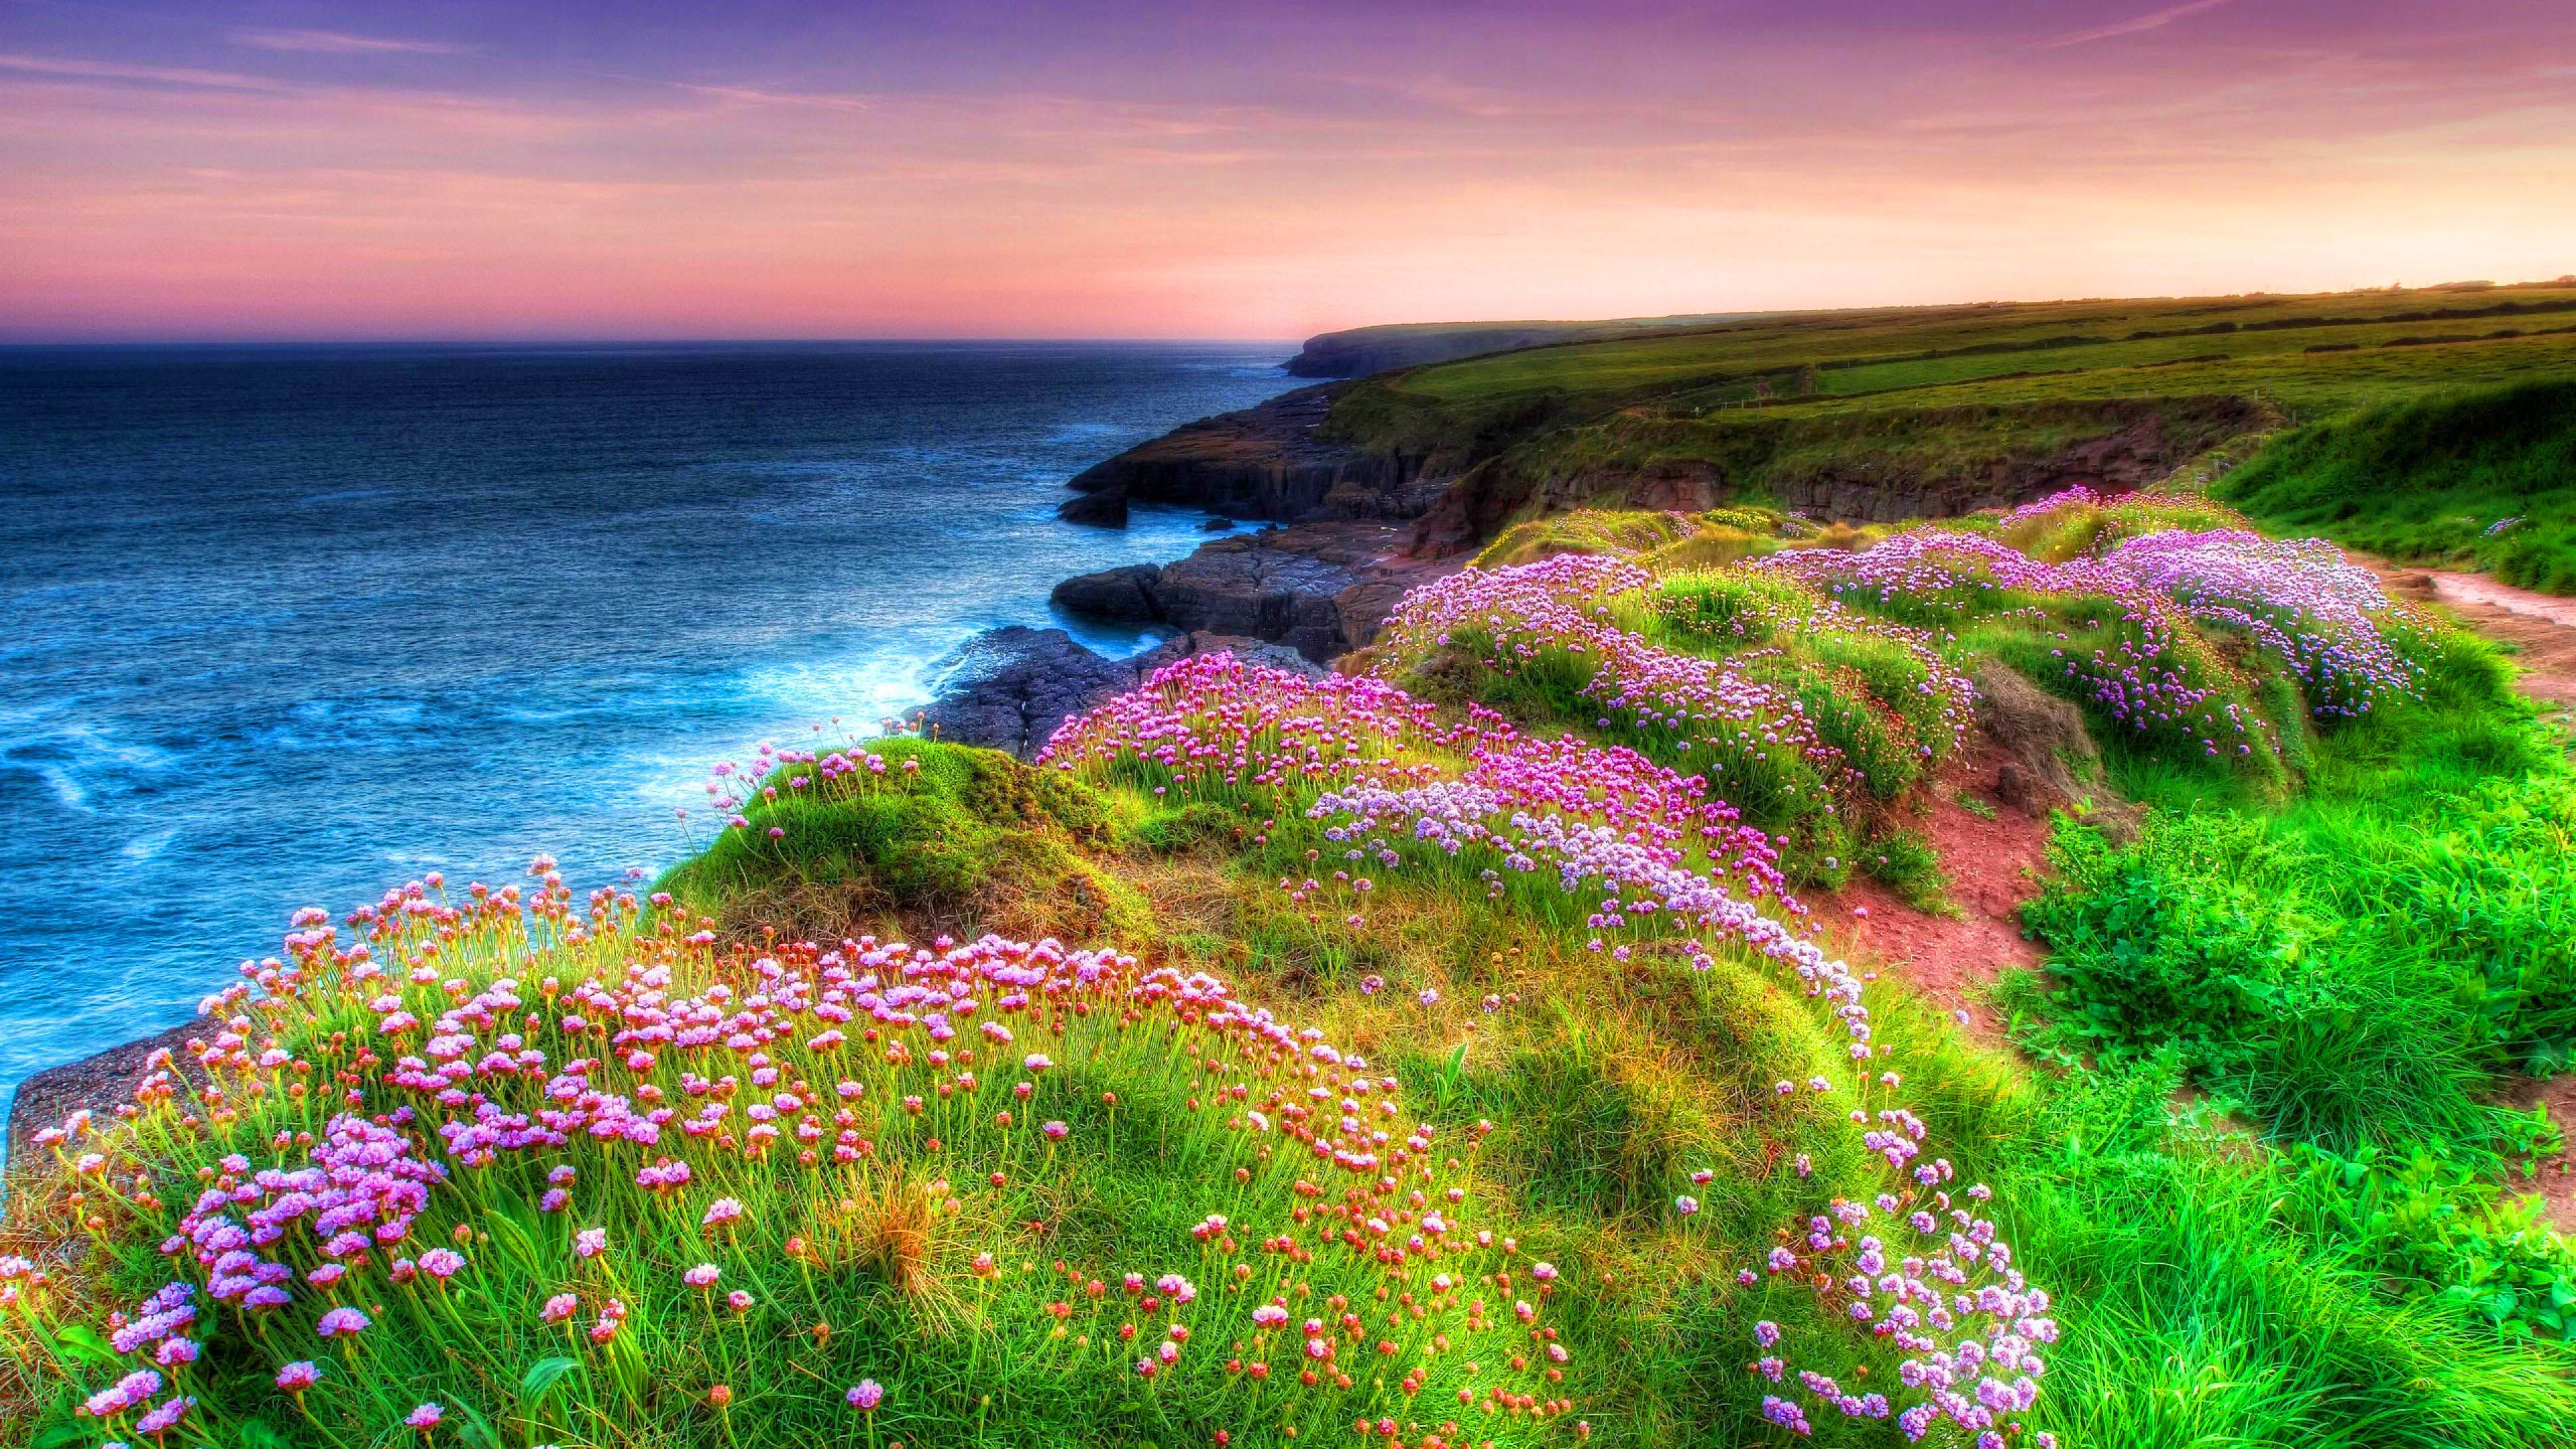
pixel 149 74
pixel 2152 20
pixel 340 42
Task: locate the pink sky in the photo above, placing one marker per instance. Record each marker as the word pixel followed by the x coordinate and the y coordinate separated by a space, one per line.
pixel 283 171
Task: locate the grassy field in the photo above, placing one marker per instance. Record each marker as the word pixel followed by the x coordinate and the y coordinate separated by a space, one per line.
pixel 1434 1057
pixel 2482 478
pixel 1934 403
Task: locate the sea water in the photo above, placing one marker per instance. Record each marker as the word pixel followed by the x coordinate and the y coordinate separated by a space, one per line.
pixel 288 626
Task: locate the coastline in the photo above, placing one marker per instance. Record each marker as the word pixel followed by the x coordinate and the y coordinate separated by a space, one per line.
pixel 157 753
pixel 1297 593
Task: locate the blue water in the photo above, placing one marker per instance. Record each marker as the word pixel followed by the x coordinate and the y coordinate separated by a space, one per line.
pixel 287 626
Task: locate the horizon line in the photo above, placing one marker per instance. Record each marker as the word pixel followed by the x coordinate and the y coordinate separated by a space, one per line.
pixel 7 341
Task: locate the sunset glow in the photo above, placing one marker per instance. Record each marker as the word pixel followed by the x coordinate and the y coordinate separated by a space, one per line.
pixel 346 170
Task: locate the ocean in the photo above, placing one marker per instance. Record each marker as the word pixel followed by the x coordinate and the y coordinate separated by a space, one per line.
pixel 290 625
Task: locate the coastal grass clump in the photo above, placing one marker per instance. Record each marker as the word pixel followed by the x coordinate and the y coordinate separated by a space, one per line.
pixel 906 833
pixel 2222 1300
pixel 2477 477
pixel 1771 695
pixel 2359 973
pixel 510 1170
pixel 1639 869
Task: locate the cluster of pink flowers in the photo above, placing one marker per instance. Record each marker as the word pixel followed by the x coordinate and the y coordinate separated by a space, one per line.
pixel 1930 1276
pixel 2143 664
pixel 2300 599
pixel 2078 496
pixel 732 786
pixel 1215 721
pixel 1563 605
pixel 701 1073
pixel 1655 857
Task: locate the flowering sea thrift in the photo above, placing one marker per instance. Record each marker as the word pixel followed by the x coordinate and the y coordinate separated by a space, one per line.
pixel 1659 863
pixel 874 1136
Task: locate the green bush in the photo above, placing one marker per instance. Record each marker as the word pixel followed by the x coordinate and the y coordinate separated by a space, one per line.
pixel 2435 478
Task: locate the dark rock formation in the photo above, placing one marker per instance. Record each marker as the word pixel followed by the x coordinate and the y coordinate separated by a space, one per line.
pixel 1217 525
pixel 1123 594
pixel 1104 509
pixel 1320 588
pixel 1009 688
pixel 1266 462
pixel 96 1083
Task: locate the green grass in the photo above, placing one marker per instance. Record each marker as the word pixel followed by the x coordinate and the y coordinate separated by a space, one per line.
pixel 2204 1314
pixel 2481 478
pixel 1930 401
pixel 2251 1146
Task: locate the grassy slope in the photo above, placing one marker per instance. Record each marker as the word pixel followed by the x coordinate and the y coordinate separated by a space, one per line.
pixel 1925 394
pixel 2214 1289
pixel 2347 1278
pixel 2211 1292
pixel 2427 479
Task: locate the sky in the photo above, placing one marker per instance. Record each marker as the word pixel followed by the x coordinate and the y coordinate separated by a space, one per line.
pixel 650 169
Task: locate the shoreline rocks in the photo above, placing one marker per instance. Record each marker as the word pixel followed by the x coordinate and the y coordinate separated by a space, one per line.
pixel 97 1082
pixel 1271 463
pixel 1009 688
pixel 1320 588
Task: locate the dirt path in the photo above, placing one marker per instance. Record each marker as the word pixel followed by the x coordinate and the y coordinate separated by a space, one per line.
pixel 2541 627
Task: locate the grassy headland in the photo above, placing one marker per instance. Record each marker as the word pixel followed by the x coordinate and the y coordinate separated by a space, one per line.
pixel 1946 409
pixel 2482 477
pixel 1475 1047
pixel 1437 1055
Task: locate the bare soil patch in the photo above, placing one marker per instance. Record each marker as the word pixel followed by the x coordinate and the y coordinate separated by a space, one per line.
pixel 2556 1182
pixel 1994 866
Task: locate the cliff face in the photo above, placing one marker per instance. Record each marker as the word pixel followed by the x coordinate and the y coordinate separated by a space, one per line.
pixel 1263 462
pixel 1939 463
pixel 1320 588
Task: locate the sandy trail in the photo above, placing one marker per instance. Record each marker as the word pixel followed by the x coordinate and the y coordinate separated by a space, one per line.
pixel 2541 627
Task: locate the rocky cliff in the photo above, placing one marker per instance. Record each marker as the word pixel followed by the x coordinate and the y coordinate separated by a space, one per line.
pixel 1320 588
pixel 1269 462
pixel 1009 688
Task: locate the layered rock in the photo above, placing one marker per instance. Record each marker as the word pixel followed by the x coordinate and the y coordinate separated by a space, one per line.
pixel 2146 442
pixel 1267 462
pixel 1319 588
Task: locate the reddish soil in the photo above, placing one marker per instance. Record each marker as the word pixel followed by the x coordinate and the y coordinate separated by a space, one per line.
pixel 2541 627
pixel 1994 865
pixel 2556 1183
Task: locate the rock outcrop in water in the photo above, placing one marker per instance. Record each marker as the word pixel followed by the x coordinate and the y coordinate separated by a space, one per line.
pixel 1320 588
pixel 1267 463
pixel 1009 688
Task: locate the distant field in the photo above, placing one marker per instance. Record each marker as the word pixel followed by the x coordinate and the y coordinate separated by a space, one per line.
pixel 1941 402
pixel 1917 347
